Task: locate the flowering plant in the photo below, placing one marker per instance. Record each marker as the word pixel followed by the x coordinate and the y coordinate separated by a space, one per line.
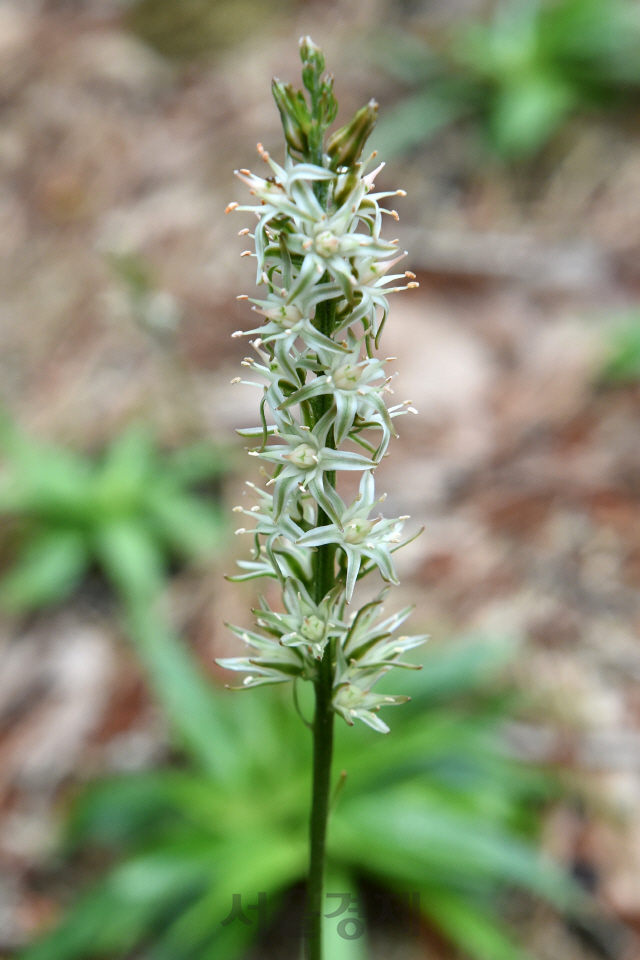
pixel 325 268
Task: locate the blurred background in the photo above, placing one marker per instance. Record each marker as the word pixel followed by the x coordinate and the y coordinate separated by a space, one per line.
pixel 515 129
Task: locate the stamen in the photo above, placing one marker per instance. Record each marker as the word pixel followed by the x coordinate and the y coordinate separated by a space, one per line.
pixel 231 206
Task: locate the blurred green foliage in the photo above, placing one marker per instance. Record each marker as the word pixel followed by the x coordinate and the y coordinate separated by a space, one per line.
pixel 518 75
pixel 129 514
pixel 622 351
pixel 440 809
pixel 75 512
pixel 185 30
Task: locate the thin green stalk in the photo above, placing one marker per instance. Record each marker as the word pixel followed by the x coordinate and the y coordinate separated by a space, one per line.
pixel 322 757
pixel 323 722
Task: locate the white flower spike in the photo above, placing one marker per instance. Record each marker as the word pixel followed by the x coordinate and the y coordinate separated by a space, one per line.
pixel 325 265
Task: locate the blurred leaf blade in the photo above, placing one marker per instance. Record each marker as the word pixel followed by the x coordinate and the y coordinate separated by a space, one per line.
pixel 621 362
pixel 190 701
pixel 49 567
pixel 519 73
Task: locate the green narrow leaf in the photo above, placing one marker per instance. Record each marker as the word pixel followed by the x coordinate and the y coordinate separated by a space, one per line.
pixel 337 947
pixel 412 122
pixel 191 526
pixel 48 569
pixel 257 863
pixel 198 462
pixel 621 363
pixel 131 559
pixel 396 834
pixel 112 918
pixel 127 465
pixel 191 702
pixel 527 113
pixel 230 943
pixel 134 565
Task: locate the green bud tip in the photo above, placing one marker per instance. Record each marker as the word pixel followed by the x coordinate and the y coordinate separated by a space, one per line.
pixel 311 54
pixel 346 144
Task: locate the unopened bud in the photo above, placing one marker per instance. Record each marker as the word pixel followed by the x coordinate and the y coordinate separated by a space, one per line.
pixel 294 115
pixel 303 456
pixel 347 143
pixel 311 54
pixel 312 64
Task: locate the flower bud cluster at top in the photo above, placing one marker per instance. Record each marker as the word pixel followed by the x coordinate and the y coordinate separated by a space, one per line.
pixel 324 267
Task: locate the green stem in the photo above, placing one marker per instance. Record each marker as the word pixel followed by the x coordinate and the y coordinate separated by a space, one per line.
pixel 322 757
pixel 323 722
